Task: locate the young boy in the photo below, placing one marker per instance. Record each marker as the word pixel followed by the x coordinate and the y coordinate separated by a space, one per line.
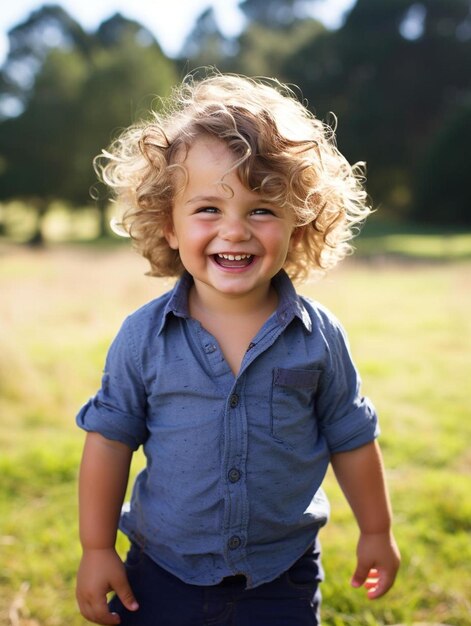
pixel 240 391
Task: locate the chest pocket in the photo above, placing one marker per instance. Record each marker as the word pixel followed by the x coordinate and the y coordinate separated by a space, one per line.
pixel 293 405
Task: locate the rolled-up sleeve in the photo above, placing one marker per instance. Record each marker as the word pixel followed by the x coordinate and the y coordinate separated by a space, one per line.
pixel 348 420
pixel 118 410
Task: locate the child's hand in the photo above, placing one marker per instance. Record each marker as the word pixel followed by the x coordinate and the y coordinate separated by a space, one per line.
pixel 102 571
pixel 378 560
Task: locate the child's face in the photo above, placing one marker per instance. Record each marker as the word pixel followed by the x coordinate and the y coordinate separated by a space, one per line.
pixel 229 239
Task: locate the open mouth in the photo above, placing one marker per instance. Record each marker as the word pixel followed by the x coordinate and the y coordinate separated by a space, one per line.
pixel 234 261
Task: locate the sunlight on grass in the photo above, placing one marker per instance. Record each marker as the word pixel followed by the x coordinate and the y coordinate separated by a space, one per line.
pixel 451 247
pixel 62 224
pixel 410 333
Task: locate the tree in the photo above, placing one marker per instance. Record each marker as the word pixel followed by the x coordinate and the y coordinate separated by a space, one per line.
pixel 391 90
pixel 75 104
pixel 37 146
pixel 118 29
pixel 37 88
pixel 46 29
pixel 274 29
pixel 442 186
pixel 263 51
pixel 275 14
pixel 128 74
pixel 206 45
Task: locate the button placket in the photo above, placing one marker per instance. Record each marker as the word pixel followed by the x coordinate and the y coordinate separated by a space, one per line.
pixel 234 542
pixel 236 510
pixel 233 401
pixel 234 475
pixel 210 348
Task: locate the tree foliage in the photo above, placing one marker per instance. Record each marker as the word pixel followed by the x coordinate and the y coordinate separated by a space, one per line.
pixel 126 78
pixel 30 42
pixel 206 45
pixel 441 186
pixel 274 31
pixel 81 94
pixel 36 146
pixel 262 51
pixel 275 14
pixel 396 74
pixel 391 93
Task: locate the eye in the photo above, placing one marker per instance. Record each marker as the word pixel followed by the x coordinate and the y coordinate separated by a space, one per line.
pixel 263 212
pixel 207 209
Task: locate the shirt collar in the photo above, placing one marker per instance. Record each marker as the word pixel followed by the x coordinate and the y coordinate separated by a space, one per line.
pixel 289 303
pixel 178 302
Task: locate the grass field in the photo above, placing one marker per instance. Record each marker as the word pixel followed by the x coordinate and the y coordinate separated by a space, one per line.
pixel 410 330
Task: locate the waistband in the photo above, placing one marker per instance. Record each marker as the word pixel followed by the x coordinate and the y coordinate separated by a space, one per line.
pixel 240 579
pixel 230 581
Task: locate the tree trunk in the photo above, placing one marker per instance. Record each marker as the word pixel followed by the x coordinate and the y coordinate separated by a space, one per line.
pixel 103 225
pixel 37 238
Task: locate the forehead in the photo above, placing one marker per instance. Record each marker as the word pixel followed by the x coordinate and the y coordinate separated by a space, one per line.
pixel 207 162
pixel 206 151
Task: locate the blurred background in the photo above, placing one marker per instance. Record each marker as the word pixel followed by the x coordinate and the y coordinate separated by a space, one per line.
pixel 397 74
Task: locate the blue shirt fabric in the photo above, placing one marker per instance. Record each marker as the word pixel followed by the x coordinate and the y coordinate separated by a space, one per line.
pixel 235 464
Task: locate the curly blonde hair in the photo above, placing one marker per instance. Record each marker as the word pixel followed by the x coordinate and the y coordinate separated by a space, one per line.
pixel 281 150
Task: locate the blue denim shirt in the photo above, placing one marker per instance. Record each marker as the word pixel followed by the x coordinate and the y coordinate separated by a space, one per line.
pixel 234 464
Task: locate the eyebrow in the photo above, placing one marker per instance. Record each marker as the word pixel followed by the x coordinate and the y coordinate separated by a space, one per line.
pixel 203 198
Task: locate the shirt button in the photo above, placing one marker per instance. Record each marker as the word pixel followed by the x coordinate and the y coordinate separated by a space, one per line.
pixel 234 542
pixel 234 401
pixel 209 348
pixel 234 475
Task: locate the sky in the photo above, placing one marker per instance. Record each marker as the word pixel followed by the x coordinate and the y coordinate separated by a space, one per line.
pixel 170 21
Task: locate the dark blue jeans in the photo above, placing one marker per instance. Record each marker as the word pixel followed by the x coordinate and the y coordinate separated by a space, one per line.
pixel 293 599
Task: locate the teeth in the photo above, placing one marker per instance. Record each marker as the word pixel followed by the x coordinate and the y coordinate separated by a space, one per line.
pixel 234 257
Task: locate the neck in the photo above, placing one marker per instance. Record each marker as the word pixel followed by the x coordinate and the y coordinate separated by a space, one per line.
pixel 204 300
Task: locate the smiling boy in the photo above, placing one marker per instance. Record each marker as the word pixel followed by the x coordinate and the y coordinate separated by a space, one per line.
pixel 240 391
pixel 232 242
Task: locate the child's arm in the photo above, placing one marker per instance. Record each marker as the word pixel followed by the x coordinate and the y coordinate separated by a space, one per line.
pixel 360 474
pixel 103 479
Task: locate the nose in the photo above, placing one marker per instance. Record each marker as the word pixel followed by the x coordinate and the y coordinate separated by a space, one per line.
pixel 234 228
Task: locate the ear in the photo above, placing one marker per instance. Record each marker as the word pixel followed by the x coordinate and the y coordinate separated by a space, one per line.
pixel 170 235
pixel 297 235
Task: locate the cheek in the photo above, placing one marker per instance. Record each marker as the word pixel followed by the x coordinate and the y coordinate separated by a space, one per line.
pixel 279 240
pixel 189 239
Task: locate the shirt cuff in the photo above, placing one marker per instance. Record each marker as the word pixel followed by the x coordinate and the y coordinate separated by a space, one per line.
pixel 354 430
pixel 113 424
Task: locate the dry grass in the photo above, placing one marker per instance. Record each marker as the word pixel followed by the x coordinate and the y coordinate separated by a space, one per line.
pixel 410 330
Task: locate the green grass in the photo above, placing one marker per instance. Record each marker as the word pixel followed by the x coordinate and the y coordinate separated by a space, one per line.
pixel 404 241
pixel 410 331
